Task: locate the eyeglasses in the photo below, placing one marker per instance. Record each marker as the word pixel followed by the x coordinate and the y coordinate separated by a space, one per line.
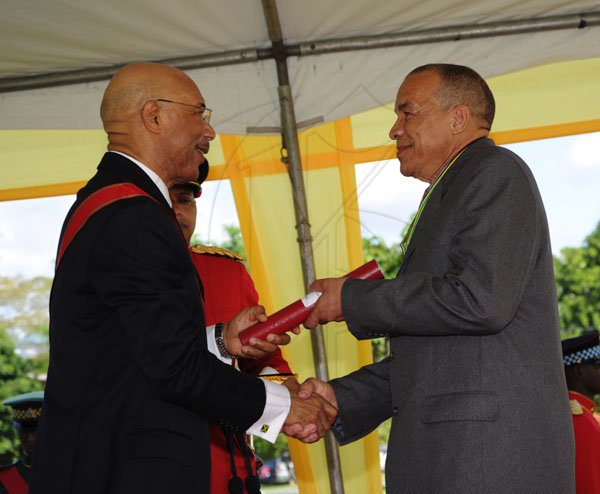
pixel 204 112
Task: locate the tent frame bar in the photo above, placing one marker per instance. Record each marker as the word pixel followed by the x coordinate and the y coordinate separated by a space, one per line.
pixel 289 137
pixel 452 33
pixel 437 35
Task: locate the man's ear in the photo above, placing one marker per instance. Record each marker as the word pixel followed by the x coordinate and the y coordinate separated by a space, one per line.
pixel 461 116
pixel 151 116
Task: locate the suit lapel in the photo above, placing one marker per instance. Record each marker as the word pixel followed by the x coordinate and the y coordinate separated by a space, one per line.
pixel 422 230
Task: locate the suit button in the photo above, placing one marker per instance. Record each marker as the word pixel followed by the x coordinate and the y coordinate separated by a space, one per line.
pixel 395 410
pixel 391 355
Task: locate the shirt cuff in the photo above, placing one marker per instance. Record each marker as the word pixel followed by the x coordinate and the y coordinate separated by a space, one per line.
pixel 277 408
pixel 212 344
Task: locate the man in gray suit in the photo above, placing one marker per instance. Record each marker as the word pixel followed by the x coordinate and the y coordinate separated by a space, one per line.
pixel 474 381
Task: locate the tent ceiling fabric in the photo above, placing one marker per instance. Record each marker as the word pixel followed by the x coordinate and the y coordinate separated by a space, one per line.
pixel 41 36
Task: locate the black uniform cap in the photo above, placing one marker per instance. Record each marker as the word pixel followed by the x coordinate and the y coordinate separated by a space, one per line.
pixel 202 174
pixel 581 349
pixel 27 409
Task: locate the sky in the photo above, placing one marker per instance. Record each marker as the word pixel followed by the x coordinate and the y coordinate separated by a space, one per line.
pixel 567 171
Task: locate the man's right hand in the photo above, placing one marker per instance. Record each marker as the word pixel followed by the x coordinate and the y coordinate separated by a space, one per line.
pixel 310 417
pixel 322 388
pixel 329 305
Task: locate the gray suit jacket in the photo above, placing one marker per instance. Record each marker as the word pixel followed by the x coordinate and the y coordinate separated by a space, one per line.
pixel 474 381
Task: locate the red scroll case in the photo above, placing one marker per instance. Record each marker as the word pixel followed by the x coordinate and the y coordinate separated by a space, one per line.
pixel 296 313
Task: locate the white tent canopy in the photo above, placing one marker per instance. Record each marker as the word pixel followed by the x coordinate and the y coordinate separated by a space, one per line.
pixel 41 36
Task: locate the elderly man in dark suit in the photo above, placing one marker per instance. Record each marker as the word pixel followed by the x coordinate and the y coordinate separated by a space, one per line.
pixel 132 384
pixel 474 381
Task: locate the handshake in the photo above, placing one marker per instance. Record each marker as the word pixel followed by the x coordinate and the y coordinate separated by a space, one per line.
pixel 313 403
pixel 313 409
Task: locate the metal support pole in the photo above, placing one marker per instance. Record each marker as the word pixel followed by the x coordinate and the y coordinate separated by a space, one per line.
pixel 290 138
pixel 290 142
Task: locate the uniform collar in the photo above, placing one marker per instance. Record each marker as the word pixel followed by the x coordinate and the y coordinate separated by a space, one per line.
pixel 583 400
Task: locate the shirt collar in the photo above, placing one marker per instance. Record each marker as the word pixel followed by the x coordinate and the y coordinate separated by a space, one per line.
pixel 164 190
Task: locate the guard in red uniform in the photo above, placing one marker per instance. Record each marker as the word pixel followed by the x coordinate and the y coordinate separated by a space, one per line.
pixel 228 288
pixel 581 357
pixel 27 408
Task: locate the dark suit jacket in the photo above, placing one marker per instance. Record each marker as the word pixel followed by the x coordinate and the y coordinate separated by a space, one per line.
pixel 474 381
pixel 131 384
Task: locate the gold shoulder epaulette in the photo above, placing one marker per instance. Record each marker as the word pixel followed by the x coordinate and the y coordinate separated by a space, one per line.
pixel 576 408
pixel 277 378
pixel 215 251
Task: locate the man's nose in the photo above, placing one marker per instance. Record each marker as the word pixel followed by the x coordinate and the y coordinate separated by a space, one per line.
pixel 397 129
pixel 209 132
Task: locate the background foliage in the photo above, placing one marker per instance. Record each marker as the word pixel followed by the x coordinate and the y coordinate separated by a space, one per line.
pixel 577 271
pixel 16 377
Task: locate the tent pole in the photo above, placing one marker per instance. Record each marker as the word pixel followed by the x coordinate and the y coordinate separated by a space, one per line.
pixel 290 143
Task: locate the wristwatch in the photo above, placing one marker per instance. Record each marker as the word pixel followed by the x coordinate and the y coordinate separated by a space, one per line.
pixel 220 341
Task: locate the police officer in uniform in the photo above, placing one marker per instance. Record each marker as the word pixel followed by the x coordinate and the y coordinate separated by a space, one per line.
pixel 27 408
pixel 228 288
pixel 581 357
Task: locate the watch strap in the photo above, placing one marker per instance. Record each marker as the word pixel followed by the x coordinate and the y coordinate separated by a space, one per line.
pixel 220 341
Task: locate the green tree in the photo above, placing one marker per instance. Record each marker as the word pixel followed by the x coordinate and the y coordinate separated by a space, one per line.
pixel 16 377
pixel 577 271
pixel 24 306
pixel 24 315
pixel 233 242
pixel 387 256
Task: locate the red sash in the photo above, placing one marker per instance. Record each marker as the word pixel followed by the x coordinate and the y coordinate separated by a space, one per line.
pixel 94 203
pixel 13 482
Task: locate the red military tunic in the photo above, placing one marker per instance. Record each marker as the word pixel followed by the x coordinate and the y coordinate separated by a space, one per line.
pixel 14 479
pixel 587 444
pixel 228 289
